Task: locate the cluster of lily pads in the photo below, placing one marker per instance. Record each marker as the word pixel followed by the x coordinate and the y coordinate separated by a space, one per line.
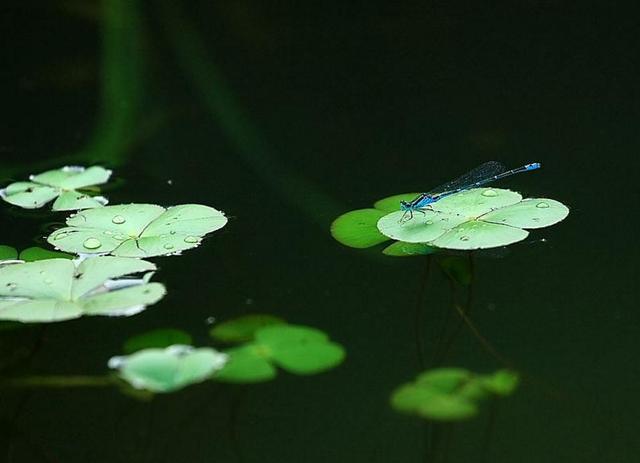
pixel 479 218
pixel 164 361
pixel 91 273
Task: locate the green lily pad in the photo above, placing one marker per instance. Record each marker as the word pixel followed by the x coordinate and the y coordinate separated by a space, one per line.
pixel 168 369
pixel 529 213
pixel 247 364
pixel 474 219
pixel 392 203
pixel 61 184
pixel 35 253
pixel 297 349
pixel 8 253
pixel 502 382
pixel 137 230
pixel 357 229
pixel 451 394
pixel 156 339
pixel 243 328
pixel 60 289
pixel 402 249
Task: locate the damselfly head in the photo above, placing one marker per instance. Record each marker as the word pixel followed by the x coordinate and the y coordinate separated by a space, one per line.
pixel 405 206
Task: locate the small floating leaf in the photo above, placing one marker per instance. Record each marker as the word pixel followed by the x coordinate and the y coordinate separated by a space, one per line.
pixel 8 253
pixel 137 230
pixel 392 203
pixel 169 369
pixel 61 184
pixel 159 338
pixel 357 229
pixel 246 365
pixel 402 249
pixel 243 328
pixel 60 289
pixel 35 253
pixel 297 349
pixel 450 394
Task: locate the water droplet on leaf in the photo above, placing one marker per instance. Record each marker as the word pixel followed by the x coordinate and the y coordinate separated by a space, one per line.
pixel 542 205
pixel 464 238
pixel 168 246
pixel 118 219
pixel 191 239
pixel 489 193
pixel 92 243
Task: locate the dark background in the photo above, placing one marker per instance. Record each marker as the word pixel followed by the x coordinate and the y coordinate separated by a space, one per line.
pixel 287 114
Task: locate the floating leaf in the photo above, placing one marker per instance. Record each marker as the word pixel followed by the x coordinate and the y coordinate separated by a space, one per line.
pixel 169 369
pixel 357 229
pixel 529 213
pixel 402 249
pixel 8 253
pixel 156 339
pixel 137 230
pixel 480 218
pixel 60 289
pixel 35 253
pixel 297 349
pixel 451 394
pixel 61 184
pixel 247 364
pixel 392 203
pixel 243 328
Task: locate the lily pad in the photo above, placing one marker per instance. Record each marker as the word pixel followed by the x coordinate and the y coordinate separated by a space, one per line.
pixel 61 184
pixel 247 364
pixel 137 230
pixel 297 349
pixel 60 289
pixel 168 369
pixel 159 338
pixel 451 394
pixel 35 253
pixel 474 219
pixel 8 253
pixel 357 229
pixel 243 328
pixel 402 249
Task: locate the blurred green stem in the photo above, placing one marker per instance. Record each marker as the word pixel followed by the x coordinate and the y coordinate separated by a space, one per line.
pixel 121 84
pixel 249 143
pixel 57 381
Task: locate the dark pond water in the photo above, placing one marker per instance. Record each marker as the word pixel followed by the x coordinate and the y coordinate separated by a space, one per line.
pixel 285 116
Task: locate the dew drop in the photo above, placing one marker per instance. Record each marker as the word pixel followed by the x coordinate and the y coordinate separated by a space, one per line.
pixel 172 232
pixel 168 246
pixel 92 243
pixel 118 219
pixel 108 232
pixel 429 222
pixel 464 238
pixel 12 286
pixel 120 237
pixel 191 239
pixel 59 236
pixel 542 205
pixel 489 193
